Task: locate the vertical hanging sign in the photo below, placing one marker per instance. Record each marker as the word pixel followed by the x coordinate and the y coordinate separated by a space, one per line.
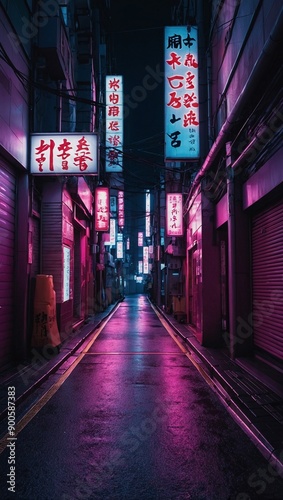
pixel 114 124
pixel 147 213
pixel 121 209
pixel 181 93
pixel 140 239
pixel 101 212
pixel 113 232
pixel 145 260
pixel 174 214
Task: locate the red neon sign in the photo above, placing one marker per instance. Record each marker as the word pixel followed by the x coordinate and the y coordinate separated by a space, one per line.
pixel 101 212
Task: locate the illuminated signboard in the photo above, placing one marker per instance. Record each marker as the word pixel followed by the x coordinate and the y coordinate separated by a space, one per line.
pixel 101 212
pixel 128 243
pixel 181 93
pixel 113 205
pixel 174 214
pixel 145 260
pixel 64 153
pixel 114 123
pixel 121 219
pixel 120 253
pixel 112 232
pixel 147 214
pixel 66 273
pixel 140 239
pixel 140 266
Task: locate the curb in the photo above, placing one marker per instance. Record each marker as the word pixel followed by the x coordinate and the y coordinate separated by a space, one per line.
pixel 78 338
pixel 255 407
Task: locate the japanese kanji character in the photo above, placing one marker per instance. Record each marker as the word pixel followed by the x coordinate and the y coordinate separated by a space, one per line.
pixel 65 146
pixel 175 101
pixel 114 140
pixel 114 84
pixel 188 41
pixel 114 98
pixel 114 126
pixel 189 100
pixel 190 61
pixel 41 320
pixel 174 119
pixel 40 150
pixel 113 110
pixel 112 156
pixel 174 42
pixel 178 78
pixel 82 154
pixel 174 61
pixel 190 119
pixel 175 143
pixel 189 80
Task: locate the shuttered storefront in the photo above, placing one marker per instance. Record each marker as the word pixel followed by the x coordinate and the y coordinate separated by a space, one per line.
pixel 267 269
pixel 7 253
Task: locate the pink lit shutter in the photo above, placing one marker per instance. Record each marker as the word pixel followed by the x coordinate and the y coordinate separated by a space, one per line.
pixel 267 269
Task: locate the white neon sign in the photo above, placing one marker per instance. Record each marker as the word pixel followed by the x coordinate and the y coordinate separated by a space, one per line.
pixel 140 239
pixel 147 214
pixel 174 214
pixel 120 252
pixel 181 93
pixel 114 124
pixel 113 232
pixel 64 153
pixel 145 260
pixel 121 216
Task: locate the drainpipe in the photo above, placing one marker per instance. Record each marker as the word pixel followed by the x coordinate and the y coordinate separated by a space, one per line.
pixel 231 249
pixel 272 45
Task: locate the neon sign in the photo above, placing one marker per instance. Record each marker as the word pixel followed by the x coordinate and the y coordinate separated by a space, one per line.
pixel 65 154
pixel 181 93
pixel 174 214
pixel 101 212
pixel 114 123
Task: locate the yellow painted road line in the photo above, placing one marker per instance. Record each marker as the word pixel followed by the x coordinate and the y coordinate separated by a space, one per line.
pixel 35 409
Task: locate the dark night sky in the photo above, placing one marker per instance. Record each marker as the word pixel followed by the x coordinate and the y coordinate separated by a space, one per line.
pixel 137 53
pixel 137 47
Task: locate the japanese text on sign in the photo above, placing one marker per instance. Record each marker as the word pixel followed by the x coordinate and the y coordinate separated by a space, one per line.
pixel 121 209
pixel 174 214
pixel 64 154
pixel 145 260
pixel 101 212
pixel 181 93
pixel 114 123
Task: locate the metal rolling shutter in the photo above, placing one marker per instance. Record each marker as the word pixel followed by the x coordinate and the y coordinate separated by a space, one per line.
pixel 7 254
pixel 267 268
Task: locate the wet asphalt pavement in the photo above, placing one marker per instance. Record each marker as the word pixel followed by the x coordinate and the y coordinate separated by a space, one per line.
pixel 135 420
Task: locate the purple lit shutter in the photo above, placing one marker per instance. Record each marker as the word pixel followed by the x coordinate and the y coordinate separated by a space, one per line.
pixel 7 253
pixel 267 269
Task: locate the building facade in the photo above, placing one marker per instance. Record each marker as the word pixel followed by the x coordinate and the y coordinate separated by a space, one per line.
pixel 15 231
pixel 234 209
pixel 51 67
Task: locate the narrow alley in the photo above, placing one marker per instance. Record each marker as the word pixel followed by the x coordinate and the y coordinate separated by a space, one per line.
pixel 130 417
